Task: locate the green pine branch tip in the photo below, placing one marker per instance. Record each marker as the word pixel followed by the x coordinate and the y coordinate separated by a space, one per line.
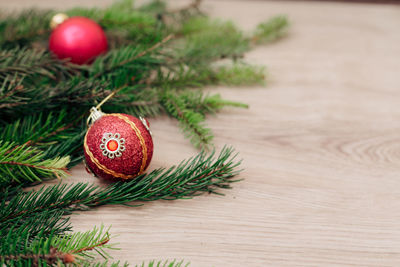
pixel 271 30
pixel 78 248
pixel 241 75
pixel 22 163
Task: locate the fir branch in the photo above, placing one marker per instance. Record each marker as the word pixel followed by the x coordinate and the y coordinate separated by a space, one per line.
pixel 123 58
pixel 122 14
pixel 153 7
pixel 209 40
pixel 190 178
pixel 66 143
pixel 208 104
pixel 93 13
pixel 28 62
pixel 9 91
pixel 41 258
pixel 149 50
pixel 52 249
pixel 126 24
pixel 240 74
pixel 37 127
pixel 8 191
pixel 24 28
pixel 81 243
pixel 271 30
pixel 183 76
pixel 45 224
pixel 203 173
pixel 174 18
pixel 78 92
pixel 57 134
pixel 191 122
pixel 137 100
pixel 19 163
pixel 26 250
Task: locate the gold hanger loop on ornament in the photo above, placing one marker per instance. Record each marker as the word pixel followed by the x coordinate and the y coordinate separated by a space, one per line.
pixel 108 97
pixel 95 114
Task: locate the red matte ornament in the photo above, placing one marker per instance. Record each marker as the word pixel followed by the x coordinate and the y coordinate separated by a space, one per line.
pixel 78 38
pixel 117 146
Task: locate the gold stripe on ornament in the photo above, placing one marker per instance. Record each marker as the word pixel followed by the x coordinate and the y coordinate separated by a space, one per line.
pixel 139 136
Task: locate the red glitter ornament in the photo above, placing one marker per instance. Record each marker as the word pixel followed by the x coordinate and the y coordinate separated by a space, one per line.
pixel 78 38
pixel 117 146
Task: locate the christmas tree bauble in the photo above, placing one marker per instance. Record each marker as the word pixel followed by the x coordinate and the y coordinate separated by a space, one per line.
pixel 117 146
pixel 78 38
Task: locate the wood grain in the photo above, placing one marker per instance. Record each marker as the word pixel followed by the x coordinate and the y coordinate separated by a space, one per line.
pixel 320 143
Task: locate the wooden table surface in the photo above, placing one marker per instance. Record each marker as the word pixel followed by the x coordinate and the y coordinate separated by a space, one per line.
pixel 320 143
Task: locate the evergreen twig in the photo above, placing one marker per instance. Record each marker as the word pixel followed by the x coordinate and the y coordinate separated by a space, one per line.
pixel 29 62
pixel 203 173
pixel 52 249
pixel 19 163
pixel 192 122
pixel 135 57
pixel 271 30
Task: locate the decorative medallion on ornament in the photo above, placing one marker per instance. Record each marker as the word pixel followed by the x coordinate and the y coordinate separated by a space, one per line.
pixel 112 145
